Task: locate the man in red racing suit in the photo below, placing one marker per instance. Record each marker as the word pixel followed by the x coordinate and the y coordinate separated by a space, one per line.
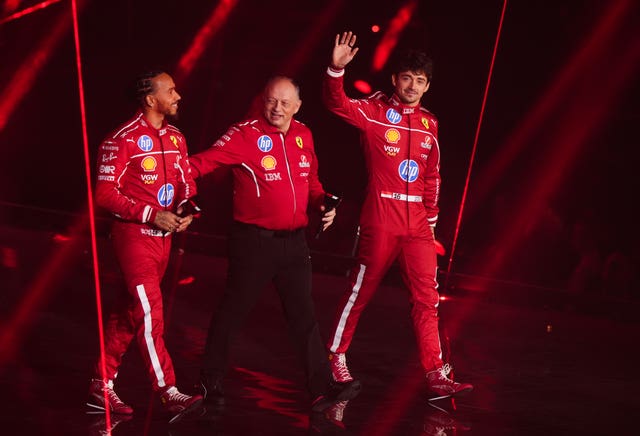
pixel 399 214
pixel 144 180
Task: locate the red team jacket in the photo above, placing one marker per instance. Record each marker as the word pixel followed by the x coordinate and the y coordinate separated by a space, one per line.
pixel 402 157
pixel 275 175
pixel 142 170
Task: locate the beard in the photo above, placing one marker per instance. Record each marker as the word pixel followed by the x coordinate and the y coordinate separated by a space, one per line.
pixel 171 115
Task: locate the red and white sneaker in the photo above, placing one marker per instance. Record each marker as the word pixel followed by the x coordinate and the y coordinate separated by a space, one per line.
pixel 441 385
pixel 176 402
pixel 97 391
pixel 338 362
pixel 336 412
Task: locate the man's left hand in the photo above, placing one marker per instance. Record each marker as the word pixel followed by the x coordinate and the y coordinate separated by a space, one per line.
pixel 327 217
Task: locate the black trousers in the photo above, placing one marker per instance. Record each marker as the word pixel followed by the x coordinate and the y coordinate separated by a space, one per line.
pixel 257 257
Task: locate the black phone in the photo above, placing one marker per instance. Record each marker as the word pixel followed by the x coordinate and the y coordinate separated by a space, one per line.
pixel 331 201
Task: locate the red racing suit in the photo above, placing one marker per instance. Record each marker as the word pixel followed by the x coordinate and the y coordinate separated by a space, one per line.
pixel 275 175
pixel 400 145
pixel 142 170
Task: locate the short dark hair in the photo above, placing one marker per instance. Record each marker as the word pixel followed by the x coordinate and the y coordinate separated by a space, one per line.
pixel 415 61
pixel 143 85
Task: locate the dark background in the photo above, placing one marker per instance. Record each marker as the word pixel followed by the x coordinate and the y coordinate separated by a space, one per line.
pixel 587 216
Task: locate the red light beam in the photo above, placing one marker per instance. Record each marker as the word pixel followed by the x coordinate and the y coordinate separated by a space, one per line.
pixel 475 143
pixel 9 6
pixel 28 71
pixel 213 25
pixel 392 35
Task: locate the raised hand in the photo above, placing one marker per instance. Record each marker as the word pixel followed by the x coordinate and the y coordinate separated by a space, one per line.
pixel 344 50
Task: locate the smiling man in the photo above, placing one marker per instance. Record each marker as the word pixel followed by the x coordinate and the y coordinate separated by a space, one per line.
pixel 275 179
pixel 400 143
pixel 144 180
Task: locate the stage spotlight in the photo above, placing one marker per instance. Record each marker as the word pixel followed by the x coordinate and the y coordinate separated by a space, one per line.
pixel 362 86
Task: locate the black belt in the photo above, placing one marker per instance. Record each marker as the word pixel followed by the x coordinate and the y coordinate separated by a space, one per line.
pixel 268 233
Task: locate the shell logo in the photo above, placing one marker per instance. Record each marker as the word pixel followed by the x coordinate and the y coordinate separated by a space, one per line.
pixel 392 136
pixel 268 162
pixel 149 163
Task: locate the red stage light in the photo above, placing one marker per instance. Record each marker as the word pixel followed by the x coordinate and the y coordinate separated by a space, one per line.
pixel 362 86
pixel 186 280
pixel 392 35
pixel 375 28
pixel 214 23
pixel 10 7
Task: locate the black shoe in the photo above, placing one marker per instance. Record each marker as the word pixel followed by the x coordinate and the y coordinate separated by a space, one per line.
pixel 211 390
pixel 337 392
pixel 345 391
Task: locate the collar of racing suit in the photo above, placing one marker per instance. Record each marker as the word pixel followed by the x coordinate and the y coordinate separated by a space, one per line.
pixel 406 109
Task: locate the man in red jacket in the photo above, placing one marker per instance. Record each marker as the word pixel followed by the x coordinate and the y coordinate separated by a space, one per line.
pixel 275 179
pixel 145 181
pixel 400 144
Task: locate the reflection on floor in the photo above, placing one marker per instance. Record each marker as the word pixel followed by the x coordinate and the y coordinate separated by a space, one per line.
pixel 538 367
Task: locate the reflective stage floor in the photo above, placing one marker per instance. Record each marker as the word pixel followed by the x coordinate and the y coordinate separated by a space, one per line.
pixel 540 363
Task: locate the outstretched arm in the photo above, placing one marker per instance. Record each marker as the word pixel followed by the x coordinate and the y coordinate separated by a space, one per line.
pixel 344 50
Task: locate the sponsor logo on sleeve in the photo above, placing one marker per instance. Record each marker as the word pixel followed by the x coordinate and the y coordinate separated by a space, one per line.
pixel 108 157
pixel 110 148
pixel 265 144
pixel 149 163
pixel 107 178
pixel 107 169
pixel 268 162
pixel 393 116
pixel 408 170
pixel 165 195
pixel 145 143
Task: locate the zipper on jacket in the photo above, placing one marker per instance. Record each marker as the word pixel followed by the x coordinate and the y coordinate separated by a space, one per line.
pixel 293 189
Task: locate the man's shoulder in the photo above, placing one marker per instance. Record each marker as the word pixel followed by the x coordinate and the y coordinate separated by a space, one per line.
pixel 427 113
pixel 128 129
pixel 378 97
pixel 246 125
pixel 300 126
pixel 173 130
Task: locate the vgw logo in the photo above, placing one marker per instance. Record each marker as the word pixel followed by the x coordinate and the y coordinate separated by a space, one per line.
pixel 408 170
